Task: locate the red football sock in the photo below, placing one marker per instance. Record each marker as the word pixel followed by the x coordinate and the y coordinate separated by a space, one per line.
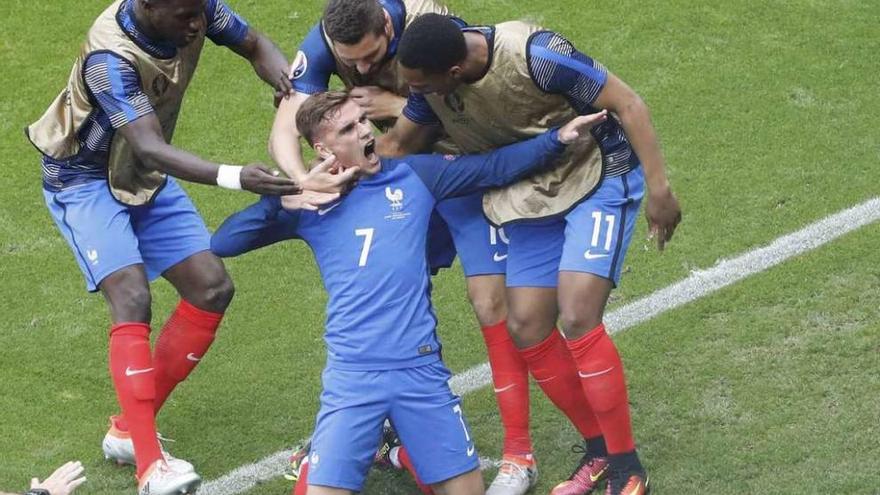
pixel 184 340
pixel 302 483
pixel 603 382
pixel 400 459
pixel 134 379
pixel 510 375
pixel 554 370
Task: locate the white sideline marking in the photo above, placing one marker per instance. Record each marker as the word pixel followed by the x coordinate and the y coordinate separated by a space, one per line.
pixel 698 284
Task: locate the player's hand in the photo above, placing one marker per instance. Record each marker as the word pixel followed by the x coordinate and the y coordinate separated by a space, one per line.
pixel 282 90
pixel 275 70
pixel 258 179
pixel 308 200
pixel 63 481
pixel 327 177
pixel 663 213
pixel 580 125
pixel 377 102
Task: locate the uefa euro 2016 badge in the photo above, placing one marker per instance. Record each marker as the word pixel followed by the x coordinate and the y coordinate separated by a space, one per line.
pixel 299 66
pixel 395 199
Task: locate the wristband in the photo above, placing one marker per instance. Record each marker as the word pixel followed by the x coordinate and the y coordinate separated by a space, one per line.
pixel 229 177
pixel 37 491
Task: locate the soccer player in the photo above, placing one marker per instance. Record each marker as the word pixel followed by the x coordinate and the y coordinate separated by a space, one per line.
pixel 383 353
pixel 358 41
pixel 570 227
pixel 107 181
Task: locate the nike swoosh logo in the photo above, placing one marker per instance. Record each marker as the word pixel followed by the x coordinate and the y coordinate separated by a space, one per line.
pixel 545 379
pixel 636 489
pixel 324 211
pixel 502 389
pixel 470 450
pixel 193 357
pixel 499 257
pixel 131 372
pixel 590 375
pixel 596 477
pixel 594 256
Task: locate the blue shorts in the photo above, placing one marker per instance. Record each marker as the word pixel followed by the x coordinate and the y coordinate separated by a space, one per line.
pixel 106 235
pixel 481 247
pixel 591 238
pixel 420 405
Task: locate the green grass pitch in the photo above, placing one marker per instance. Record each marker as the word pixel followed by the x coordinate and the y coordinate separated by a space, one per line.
pixel 767 116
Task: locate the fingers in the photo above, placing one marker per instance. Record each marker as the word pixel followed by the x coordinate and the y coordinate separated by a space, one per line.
pixel 34 482
pixel 284 85
pixel 347 174
pixel 321 199
pixel 594 118
pixel 324 166
pixel 75 483
pixel 74 470
pixel 277 190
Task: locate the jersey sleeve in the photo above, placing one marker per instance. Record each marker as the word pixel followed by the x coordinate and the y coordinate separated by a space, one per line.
pixel 557 67
pixel 449 176
pixel 314 64
pixel 259 225
pixel 225 27
pixel 116 87
pixel 419 110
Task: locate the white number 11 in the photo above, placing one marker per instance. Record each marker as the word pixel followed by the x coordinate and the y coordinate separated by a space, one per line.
pixel 368 240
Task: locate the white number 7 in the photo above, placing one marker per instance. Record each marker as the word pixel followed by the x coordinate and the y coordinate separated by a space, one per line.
pixel 368 241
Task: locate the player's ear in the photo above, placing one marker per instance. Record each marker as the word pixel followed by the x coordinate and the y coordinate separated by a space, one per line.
pixel 455 72
pixel 389 25
pixel 322 150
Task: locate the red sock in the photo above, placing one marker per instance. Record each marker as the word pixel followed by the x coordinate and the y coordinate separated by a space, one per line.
pixel 184 340
pixel 601 376
pixel 302 483
pixel 554 370
pixel 400 458
pixel 510 375
pixel 134 379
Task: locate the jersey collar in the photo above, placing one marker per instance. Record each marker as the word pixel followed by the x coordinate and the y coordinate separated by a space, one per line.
pixel 126 20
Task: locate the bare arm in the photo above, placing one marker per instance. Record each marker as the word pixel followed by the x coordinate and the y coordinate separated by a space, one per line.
pixel 146 139
pixel 284 144
pixel 267 60
pixel 662 208
pixel 406 138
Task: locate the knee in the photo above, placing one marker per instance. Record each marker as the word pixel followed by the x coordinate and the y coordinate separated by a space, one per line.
pixel 218 293
pixel 490 307
pixel 576 322
pixel 528 330
pixel 131 302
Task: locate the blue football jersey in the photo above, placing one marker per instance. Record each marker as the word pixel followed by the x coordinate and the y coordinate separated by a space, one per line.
pixel 370 247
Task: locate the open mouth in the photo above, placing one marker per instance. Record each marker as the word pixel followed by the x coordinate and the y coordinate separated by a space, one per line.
pixel 370 148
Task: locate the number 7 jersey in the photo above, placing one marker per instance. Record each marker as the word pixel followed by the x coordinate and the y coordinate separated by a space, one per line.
pixel 371 246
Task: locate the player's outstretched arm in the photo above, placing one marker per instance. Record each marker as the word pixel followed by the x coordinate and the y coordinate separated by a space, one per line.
pixel 260 224
pixel 145 137
pixel 470 173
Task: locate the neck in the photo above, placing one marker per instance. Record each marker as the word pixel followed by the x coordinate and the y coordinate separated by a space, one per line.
pixel 476 62
pixel 140 20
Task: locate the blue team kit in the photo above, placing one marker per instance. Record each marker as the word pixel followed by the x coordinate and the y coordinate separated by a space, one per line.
pixel 383 354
